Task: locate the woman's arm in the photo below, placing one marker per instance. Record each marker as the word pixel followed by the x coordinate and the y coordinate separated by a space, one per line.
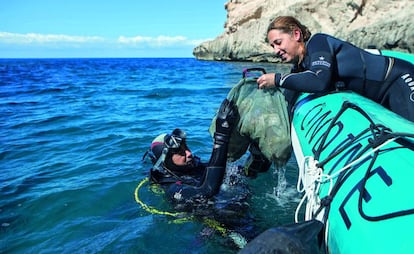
pixel 317 78
pixel 318 69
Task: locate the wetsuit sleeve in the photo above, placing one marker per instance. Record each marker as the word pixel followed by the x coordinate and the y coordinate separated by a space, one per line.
pixel 211 183
pixel 318 69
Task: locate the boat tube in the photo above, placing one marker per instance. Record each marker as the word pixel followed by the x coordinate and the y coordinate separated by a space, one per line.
pixel 356 168
pixel 356 161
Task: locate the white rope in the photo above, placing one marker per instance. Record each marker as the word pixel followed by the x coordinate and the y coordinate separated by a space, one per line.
pixel 310 179
pixel 362 158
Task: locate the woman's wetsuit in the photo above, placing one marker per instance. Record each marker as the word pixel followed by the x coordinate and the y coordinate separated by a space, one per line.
pixel 329 61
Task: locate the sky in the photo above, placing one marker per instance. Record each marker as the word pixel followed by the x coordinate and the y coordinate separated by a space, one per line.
pixel 107 28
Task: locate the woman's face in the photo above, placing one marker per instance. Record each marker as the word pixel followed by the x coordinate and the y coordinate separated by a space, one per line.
pixel 286 45
pixel 182 158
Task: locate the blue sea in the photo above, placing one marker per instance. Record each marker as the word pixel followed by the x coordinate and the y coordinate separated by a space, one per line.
pixel 72 136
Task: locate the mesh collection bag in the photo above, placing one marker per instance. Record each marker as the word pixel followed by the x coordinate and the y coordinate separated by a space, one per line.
pixel 263 120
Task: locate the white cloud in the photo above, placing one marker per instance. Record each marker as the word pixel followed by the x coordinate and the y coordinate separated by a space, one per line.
pixel 34 38
pixel 61 45
pixel 159 41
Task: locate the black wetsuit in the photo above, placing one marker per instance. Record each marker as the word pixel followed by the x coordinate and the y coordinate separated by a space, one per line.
pixel 330 61
pixel 200 182
pixel 182 192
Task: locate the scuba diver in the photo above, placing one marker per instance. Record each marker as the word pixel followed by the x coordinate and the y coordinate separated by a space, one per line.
pixel 207 190
pixel 183 176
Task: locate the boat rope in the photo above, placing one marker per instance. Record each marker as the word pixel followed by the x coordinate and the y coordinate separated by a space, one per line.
pixel 391 215
pixel 309 181
pixel 237 238
pixel 311 173
pixel 311 177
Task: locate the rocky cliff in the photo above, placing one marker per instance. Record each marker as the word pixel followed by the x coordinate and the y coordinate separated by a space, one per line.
pixel 386 24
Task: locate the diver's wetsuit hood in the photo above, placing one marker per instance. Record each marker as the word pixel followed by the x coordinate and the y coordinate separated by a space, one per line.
pixel 170 173
pixel 169 164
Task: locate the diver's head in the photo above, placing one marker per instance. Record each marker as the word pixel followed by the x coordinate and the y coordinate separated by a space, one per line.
pixel 171 151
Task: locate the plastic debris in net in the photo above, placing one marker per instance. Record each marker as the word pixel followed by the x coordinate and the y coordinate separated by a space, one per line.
pixel 263 119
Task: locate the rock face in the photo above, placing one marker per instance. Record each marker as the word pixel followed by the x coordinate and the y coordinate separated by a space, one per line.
pixel 386 24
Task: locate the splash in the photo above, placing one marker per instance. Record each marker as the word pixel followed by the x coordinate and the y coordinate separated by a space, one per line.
pixel 283 193
pixel 234 176
pixel 281 182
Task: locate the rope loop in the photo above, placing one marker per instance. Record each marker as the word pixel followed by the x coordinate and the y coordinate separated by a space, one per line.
pixel 309 181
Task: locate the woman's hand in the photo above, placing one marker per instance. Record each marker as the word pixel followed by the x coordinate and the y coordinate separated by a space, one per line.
pixel 266 81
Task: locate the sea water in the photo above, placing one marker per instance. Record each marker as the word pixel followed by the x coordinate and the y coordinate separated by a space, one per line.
pixel 72 136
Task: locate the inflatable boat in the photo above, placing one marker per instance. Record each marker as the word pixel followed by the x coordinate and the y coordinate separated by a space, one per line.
pixel 356 164
pixel 356 170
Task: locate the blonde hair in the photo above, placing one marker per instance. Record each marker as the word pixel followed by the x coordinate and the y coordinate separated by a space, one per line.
pixel 288 24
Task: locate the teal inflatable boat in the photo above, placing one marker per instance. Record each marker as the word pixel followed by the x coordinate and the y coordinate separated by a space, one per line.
pixel 356 170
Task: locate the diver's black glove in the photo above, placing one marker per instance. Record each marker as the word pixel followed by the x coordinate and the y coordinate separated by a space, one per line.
pixel 225 121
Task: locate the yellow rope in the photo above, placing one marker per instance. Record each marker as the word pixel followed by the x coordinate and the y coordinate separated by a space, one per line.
pixel 236 237
pixel 209 222
pixel 149 208
pixel 216 225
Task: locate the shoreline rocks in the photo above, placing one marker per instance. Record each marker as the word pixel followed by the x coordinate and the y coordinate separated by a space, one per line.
pixel 385 24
